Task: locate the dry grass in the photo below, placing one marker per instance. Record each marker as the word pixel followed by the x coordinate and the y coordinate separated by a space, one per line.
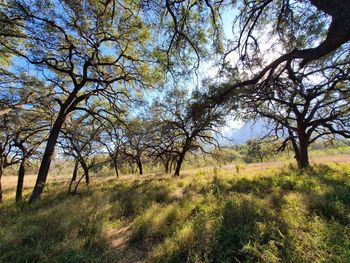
pixel 9 182
pixel 264 213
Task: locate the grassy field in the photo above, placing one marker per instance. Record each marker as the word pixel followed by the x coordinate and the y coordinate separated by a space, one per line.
pixel 263 213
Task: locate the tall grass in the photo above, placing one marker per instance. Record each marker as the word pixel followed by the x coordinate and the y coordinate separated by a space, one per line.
pixel 212 215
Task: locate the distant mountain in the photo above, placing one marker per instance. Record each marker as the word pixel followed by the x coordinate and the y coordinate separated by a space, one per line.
pixel 249 130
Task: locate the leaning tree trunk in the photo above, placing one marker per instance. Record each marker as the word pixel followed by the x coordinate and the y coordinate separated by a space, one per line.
pixel 47 157
pixel 86 171
pixel 21 174
pixel 85 174
pixel 77 184
pixel 182 156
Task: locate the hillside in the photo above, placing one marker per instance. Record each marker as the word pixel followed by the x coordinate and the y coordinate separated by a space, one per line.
pixel 263 213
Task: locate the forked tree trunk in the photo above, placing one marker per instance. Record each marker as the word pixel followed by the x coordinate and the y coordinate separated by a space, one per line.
pixel 21 174
pixel 86 170
pixel 76 186
pixel 47 157
pixel 74 176
pixel 85 175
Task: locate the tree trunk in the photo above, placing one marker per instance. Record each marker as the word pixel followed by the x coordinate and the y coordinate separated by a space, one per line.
pixel 46 160
pixel 182 156
pixel 131 167
pixel 139 165
pixel 21 174
pixel 1 172
pixel 114 157
pixel 179 163
pixel 302 156
pixel 115 164
pixel 303 161
pixel 116 169
pixel 76 186
pixel 86 170
pixel 166 166
pixel 74 176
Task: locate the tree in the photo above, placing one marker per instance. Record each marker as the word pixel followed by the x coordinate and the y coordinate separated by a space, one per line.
pixel 80 141
pixel 8 153
pixel 189 123
pixel 135 142
pixel 29 128
pixel 253 151
pixel 307 31
pixel 83 49
pixel 112 139
pixel 315 105
pixel 25 101
pixel 162 145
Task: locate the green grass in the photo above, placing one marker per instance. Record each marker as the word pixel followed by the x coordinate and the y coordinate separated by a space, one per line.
pixel 211 215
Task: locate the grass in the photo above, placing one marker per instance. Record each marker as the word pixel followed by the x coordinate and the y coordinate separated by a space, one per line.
pixel 264 213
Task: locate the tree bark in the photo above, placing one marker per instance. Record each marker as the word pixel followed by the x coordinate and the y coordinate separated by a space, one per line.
pixel 115 163
pixel 114 157
pixel 186 147
pixel 166 166
pixel 179 164
pixel 131 166
pixel 86 170
pixel 116 169
pixel 139 165
pixel 21 174
pixel 76 186
pixel 47 157
pixel 1 172
pixel 303 155
pixel 303 161
pixel 74 176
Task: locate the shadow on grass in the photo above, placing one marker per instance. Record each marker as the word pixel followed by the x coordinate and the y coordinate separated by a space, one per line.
pixel 290 217
pixel 293 215
pixel 62 228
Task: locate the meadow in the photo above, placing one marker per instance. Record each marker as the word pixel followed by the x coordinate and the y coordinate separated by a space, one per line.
pixel 262 213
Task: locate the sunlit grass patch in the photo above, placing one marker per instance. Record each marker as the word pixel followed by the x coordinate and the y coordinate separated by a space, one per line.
pixel 269 215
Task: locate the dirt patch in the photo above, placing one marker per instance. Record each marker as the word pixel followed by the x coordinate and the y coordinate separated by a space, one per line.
pixel 124 251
